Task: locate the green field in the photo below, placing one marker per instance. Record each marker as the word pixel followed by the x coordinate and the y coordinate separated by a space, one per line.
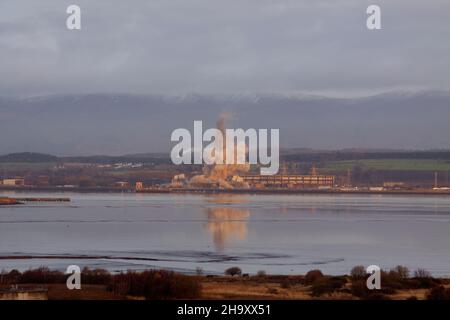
pixel 389 164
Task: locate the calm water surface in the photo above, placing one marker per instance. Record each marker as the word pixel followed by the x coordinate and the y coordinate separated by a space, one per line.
pixel 283 234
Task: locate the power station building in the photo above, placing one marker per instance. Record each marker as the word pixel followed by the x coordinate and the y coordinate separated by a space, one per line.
pixel 13 182
pixel 290 181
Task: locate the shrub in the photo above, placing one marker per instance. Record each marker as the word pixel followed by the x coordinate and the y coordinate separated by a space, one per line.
pixel 426 283
pixel 402 271
pixel 233 271
pixel 261 273
pixel 423 279
pixel 198 271
pixel 327 285
pixel 285 284
pixel 96 276
pixel 391 280
pixel 14 273
pixel 422 273
pixel 13 276
pixel 358 273
pixel 42 275
pixel 359 289
pixel 312 276
pixel 339 279
pixel 439 293
pixel 156 284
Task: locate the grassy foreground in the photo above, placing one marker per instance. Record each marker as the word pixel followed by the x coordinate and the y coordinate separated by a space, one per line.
pixel 396 284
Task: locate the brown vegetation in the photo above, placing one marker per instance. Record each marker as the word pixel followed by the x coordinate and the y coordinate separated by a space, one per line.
pixel 313 276
pixel 155 284
pixel 439 293
pixel 233 271
pixel 161 284
pixel 8 201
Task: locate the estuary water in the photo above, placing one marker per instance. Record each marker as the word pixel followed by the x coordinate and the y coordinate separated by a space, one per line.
pixel 280 234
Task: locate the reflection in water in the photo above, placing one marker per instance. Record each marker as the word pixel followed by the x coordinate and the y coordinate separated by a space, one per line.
pixel 226 223
pixel 226 199
pixel 173 231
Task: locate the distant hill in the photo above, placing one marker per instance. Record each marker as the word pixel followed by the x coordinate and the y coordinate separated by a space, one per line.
pixel 28 157
pixel 127 124
pixel 143 158
pixel 293 155
pixel 339 155
pixel 32 157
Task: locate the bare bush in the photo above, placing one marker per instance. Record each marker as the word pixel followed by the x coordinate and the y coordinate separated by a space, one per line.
pixel 261 273
pixel 312 276
pixel 327 285
pixel 156 284
pixel 233 271
pixel 421 273
pixel 439 293
pixel 402 271
pixel 95 276
pixel 42 275
pixel 358 273
pixel 199 271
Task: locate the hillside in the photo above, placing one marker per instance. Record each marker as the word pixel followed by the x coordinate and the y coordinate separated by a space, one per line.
pixel 30 157
pixel 127 124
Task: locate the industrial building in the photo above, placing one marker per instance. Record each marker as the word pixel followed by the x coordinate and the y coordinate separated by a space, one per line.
pixel 292 181
pixel 13 182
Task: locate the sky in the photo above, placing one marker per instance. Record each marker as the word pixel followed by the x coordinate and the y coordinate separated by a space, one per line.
pixel 223 47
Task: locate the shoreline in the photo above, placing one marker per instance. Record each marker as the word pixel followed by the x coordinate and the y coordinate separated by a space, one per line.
pixel 225 191
pixel 83 259
pixel 7 201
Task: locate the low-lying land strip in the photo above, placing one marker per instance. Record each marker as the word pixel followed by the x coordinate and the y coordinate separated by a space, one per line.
pixel 98 284
pixel 8 201
pixel 15 201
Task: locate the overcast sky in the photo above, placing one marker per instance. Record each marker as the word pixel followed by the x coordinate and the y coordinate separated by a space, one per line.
pixel 232 46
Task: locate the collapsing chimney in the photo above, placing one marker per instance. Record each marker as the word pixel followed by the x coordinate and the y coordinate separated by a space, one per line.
pixel 221 174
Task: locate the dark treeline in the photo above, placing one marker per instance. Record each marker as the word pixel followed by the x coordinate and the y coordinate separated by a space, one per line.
pixel 286 155
pixel 31 157
pixel 150 284
pixel 320 156
pixel 414 178
pixel 117 159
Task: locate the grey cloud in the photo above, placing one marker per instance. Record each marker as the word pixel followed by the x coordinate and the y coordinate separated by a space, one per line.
pixel 232 46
